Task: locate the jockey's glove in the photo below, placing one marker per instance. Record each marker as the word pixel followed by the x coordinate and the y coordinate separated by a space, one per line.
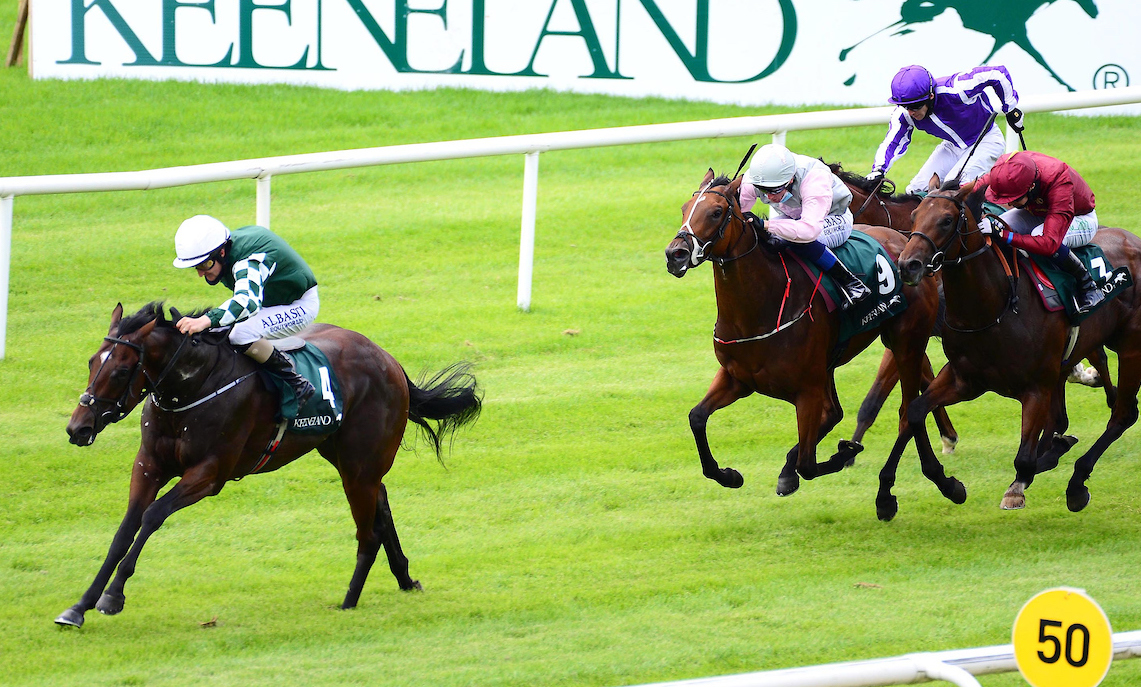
pixel 999 234
pixel 1016 121
pixel 875 177
pixel 757 223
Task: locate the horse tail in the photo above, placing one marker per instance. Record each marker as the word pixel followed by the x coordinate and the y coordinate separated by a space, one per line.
pixel 451 399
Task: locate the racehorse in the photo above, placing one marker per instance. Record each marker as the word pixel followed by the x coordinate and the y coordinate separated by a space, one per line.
pixel 206 422
pixel 775 338
pixel 888 209
pixel 1020 355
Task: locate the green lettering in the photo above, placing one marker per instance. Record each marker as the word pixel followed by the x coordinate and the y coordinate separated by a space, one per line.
pixel 246 10
pixel 697 63
pixel 79 34
pixel 396 49
pixel 586 32
pixel 169 49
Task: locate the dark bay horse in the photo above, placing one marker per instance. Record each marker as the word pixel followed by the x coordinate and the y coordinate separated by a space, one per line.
pixel 990 347
pixel 208 419
pixel 773 337
pixel 888 209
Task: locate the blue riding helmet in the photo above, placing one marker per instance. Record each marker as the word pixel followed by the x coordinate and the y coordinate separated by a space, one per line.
pixel 910 85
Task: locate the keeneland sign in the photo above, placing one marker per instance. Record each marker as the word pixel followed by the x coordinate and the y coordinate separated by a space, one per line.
pixel 740 51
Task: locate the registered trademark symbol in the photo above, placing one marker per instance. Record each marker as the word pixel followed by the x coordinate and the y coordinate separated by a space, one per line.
pixel 1110 76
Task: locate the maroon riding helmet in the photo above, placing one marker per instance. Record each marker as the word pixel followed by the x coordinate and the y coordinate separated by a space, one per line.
pixel 1011 178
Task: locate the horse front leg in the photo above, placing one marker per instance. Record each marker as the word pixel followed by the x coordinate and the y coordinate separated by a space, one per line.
pixel 145 483
pixel 722 392
pixel 1036 407
pixel 196 484
pixel 1123 417
pixel 944 391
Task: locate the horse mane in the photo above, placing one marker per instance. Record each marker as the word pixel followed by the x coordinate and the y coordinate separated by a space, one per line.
pixel 865 185
pixel 152 311
pixel 721 180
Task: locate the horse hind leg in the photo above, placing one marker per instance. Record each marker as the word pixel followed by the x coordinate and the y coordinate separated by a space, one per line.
pixel 1123 417
pixel 386 529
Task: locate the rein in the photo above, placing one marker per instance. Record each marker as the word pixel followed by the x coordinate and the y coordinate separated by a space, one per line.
pixel 938 261
pixel 87 399
pixel 698 253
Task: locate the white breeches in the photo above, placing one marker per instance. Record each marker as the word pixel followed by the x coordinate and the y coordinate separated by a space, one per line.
pixel 277 321
pixel 947 159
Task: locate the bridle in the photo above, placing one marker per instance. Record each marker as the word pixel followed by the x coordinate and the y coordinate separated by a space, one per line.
pixel 699 250
pixel 118 407
pixel 938 259
pixel 939 253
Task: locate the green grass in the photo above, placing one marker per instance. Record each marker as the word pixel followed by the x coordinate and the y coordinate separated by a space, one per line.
pixel 571 539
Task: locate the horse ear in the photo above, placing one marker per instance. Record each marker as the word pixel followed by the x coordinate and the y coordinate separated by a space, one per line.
pixel 735 185
pixel 146 329
pixel 934 184
pixel 116 316
pixel 967 188
pixel 175 316
pixel 708 177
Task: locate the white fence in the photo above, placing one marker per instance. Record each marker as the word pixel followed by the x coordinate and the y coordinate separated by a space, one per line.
pixel 530 145
pixel 957 667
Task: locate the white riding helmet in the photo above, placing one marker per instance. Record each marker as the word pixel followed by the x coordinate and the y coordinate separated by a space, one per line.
pixel 197 238
pixel 773 166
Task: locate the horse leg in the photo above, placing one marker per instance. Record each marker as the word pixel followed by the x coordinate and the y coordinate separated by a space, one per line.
pixel 723 391
pixel 1123 417
pixel 142 494
pixel 830 416
pixel 945 390
pixel 1036 406
pixel 195 485
pixel 947 434
pixel 887 376
pixel 1100 362
pixel 1056 441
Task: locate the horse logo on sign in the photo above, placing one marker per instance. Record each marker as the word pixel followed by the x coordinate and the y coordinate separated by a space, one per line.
pixel 1005 22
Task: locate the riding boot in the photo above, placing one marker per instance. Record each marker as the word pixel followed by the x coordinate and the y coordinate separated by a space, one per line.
pixel 1089 293
pixel 281 366
pixel 851 287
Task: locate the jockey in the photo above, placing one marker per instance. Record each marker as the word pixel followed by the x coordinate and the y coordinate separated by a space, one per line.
pixel 1044 192
pixel 953 108
pixel 275 292
pixel 809 208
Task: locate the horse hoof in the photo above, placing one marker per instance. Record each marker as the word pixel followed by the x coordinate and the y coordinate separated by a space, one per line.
pixel 786 486
pixel 958 493
pixel 730 478
pixel 886 507
pixel 1075 501
pixel 849 450
pixel 414 587
pixel 70 618
pixel 110 604
pixel 1013 502
pixel 949 445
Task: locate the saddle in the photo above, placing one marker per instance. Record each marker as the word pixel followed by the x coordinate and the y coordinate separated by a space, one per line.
pixel 1056 288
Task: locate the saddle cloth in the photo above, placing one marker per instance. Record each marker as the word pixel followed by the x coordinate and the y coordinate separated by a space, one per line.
pixel 867 259
pixel 1057 288
pixel 322 413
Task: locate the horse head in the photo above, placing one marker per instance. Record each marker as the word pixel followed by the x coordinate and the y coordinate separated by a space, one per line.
pixel 712 224
pixel 118 375
pixel 944 230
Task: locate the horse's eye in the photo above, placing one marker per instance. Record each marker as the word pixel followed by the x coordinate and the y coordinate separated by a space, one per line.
pixel 120 373
pixel 717 212
pixel 945 222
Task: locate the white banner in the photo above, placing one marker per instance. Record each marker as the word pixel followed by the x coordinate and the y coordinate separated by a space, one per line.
pixel 751 52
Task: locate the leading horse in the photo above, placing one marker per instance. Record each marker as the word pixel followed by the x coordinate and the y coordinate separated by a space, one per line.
pixel 774 337
pixel 1020 355
pixel 207 419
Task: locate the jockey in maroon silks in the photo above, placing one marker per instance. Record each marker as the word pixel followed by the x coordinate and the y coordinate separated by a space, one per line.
pixel 1045 193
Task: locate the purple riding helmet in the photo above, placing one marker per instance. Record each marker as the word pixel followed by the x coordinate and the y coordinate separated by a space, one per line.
pixel 911 85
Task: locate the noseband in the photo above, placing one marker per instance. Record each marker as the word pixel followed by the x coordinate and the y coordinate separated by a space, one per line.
pixel 939 254
pixel 117 407
pixel 698 251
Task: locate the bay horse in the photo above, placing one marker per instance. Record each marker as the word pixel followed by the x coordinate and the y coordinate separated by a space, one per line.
pixel 205 422
pixel 990 347
pixel 774 337
pixel 889 209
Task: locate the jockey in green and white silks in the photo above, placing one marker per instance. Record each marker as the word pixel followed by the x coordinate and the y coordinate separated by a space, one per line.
pixel 274 291
pixel 809 210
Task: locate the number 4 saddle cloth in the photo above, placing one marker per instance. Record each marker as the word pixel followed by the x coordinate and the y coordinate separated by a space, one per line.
pixel 321 414
pixel 1057 288
pixel 869 261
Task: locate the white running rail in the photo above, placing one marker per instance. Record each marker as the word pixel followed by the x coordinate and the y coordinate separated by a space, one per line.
pixel 957 667
pixel 529 145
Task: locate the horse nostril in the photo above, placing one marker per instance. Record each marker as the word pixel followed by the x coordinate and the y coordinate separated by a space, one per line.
pixel 679 253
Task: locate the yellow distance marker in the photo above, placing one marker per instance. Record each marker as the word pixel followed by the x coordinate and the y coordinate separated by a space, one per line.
pixel 1062 639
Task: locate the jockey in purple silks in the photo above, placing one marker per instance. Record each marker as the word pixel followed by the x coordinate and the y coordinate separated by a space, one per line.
pixel 953 108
